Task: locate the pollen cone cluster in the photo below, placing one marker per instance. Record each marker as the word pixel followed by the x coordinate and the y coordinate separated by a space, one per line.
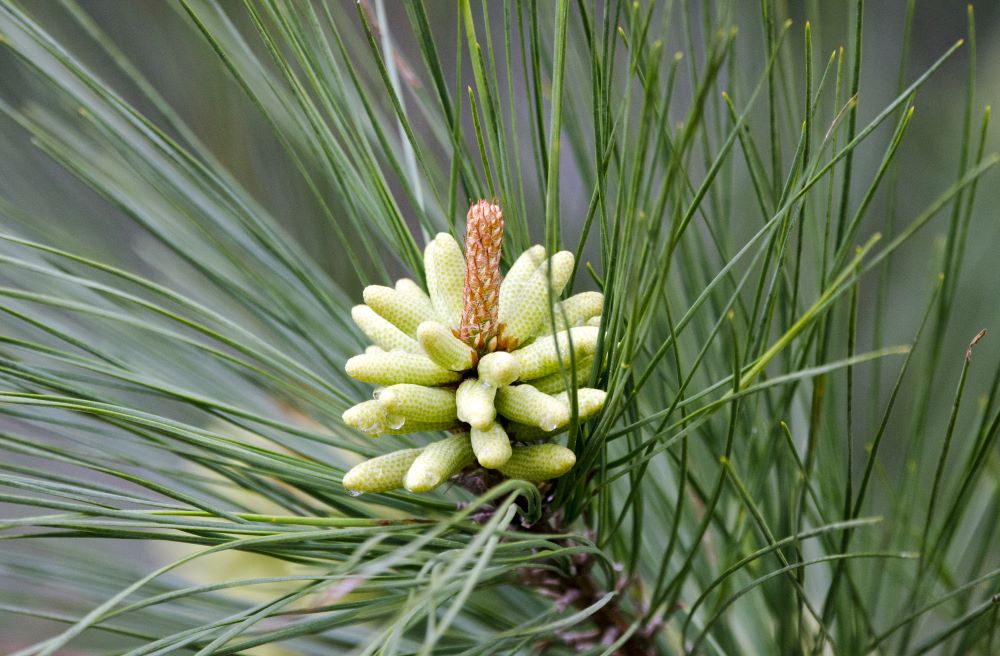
pixel 486 360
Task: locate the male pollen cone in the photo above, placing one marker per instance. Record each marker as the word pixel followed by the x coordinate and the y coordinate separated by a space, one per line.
pixel 483 240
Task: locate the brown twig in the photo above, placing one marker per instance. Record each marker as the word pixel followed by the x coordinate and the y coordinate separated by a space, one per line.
pixel 577 586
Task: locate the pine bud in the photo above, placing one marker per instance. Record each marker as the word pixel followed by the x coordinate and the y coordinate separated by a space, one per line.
pixel 381 331
pixel 525 404
pixel 448 358
pixel 533 303
pixel 381 474
pixel 491 445
pixel 474 403
pixel 444 348
pixel 538 462
pixel 397 367
pixel 541 357
pixel 444 267
pixel 419 403
pixel 438 462
pixel 498 369
pixel 483 241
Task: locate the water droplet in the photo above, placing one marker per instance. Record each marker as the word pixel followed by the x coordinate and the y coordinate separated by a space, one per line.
pixel 548 424
pixel 396 421
pixel 355 493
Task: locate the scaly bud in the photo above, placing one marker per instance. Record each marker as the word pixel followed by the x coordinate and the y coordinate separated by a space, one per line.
pixel 474 403
pixel 541 357
pixel 419 403
pixel 555 382
pixel 399 309
pixel 491 445
pixel 525 404
pixel 483 241
pixel 444 348
pixel 589 401
pixel 444 267
pixel 372 418
pixel 532 304
pixel 381 331
pixel 538 462
pixel 498 369
pixel 392 368
pixel 510 289
pixel 381 474
pixel 576 310
pixel 438 462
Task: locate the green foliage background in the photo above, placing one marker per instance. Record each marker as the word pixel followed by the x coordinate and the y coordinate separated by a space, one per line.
pixel 797 455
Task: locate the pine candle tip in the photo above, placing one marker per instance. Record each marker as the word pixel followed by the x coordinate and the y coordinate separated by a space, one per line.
pixel 483 241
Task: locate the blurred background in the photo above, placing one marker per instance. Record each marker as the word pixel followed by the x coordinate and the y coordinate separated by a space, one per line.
pixel 158 39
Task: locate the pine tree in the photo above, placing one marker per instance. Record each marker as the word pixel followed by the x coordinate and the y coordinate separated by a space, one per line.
pixel 625 280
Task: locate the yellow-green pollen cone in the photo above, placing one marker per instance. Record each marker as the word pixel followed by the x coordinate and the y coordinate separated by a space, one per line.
pixel 491 446
pixel 577 310
pixel 474 403
pixel 485 357
pixel 381 474
pixel 538 462
pixel 419 403
pixel 437 462
pixel 526 405
pixel 557 382
pixel 443 347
